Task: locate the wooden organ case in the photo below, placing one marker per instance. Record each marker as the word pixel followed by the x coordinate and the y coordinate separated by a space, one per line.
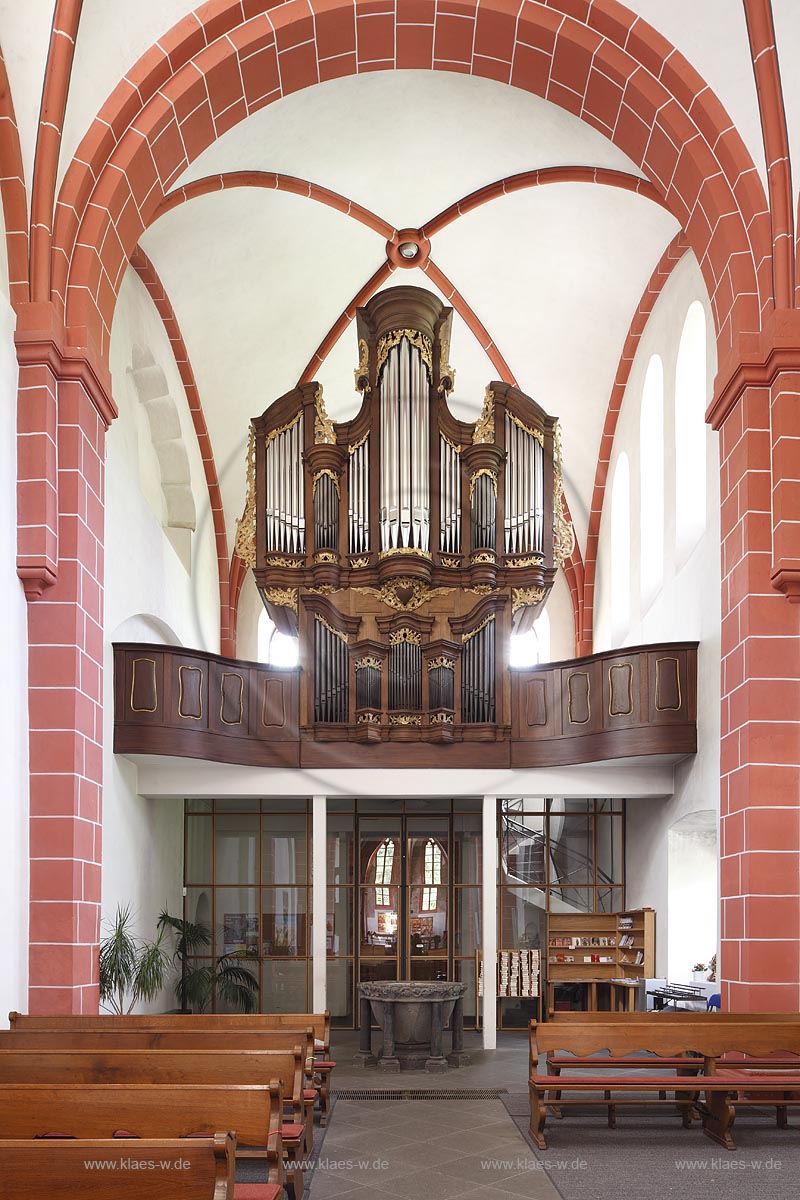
pixel 404 546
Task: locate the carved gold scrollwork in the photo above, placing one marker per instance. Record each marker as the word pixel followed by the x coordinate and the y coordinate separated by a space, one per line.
pixel 359 562
pixel 492 475
pixel 563 532
pixel 323 556
pixel 405 635
pixel 404 594
pixel 336 632
pixel 368 718
pixel 278 560
pixel 483 556
pixel 441 718
pixel 405 550
pixel 534 433
pixel 486 621
pixel 351 449
pixel 450 442
pixel 282 597
pixel 450 562
pixel 525 597
pixel 324 433
pixel 482 589
pixel 362 370
pixel 246 525
pixel 484 427
pixel 405 719
pixel 394 337
pixel 283 428
pixel 375 663
pixel 324 589
pixel 530 560
pixel 441 661
pixel 331 475
pixel 447 376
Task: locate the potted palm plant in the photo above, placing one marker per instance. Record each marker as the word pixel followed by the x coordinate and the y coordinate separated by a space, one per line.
pixel 130 968
pixel 224 975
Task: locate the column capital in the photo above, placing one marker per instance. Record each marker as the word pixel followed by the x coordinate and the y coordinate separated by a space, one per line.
pixel 41 339
pixel 755 361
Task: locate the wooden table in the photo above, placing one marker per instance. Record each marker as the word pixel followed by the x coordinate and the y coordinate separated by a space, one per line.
pixel 623 992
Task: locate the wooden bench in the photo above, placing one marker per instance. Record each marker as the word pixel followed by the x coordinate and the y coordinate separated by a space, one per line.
pixel 100 1111
pixel 183 1039
pixel 123 1169
pixel 250 1023
pixel 700 1034
pixel 175 1066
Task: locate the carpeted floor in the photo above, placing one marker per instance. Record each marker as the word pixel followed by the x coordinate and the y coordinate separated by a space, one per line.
pixel 647 1157
pixel 481 1150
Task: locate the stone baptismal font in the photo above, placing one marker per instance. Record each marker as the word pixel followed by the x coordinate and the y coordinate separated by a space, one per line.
pixel 412 1015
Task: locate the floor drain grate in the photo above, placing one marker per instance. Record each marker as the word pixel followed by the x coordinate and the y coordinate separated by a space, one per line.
pixel 420 1093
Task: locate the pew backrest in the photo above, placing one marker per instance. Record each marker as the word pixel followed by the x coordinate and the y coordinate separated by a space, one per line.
pixel 253 1112
pixel 122 1169
pixel 164 1066
pixel 690 1033
pixel 143 1039
pixel 319 1022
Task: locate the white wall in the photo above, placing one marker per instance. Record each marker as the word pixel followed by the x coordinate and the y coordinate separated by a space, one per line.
pixel 14 808
pixel 686 607
pixel 150 596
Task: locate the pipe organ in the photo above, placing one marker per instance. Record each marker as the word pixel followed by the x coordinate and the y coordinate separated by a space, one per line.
pixel 404 546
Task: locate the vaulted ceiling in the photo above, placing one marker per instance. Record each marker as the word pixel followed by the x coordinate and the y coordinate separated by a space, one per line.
pixel 551 274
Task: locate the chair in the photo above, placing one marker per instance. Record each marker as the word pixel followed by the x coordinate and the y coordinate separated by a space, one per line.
pixel 714 1002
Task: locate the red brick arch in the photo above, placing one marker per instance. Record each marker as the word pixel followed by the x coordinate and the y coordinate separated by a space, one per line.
pixel 597 61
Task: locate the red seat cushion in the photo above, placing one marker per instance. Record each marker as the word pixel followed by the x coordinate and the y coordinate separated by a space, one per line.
pixel 292 1131
pixel 309 1093
pixel 256 1191
pixel 324 1064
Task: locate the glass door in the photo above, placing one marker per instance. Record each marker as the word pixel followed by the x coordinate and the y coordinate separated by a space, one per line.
pixel 427 894
pixel 380 912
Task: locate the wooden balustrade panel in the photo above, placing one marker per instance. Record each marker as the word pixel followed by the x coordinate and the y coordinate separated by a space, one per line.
pixel 641 700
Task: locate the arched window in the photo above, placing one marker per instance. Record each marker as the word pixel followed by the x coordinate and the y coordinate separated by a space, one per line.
pixel 651 481
pixel 384 861
pixel 621 548
pixel 690 431
pixel 433 875
pixel 528 649
pixel 277 649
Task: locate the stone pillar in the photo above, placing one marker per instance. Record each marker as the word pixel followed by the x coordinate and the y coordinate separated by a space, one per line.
pixel 364 1056
pixel 758 416
pixel 489 913
pixel 64 411
pixel 319 903
pixel 437 1062
pixel 388 1060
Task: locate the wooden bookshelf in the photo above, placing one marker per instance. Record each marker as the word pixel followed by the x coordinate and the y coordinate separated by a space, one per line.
pixel 598 948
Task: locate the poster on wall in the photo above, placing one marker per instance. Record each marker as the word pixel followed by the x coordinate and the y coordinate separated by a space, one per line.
pixel 240 934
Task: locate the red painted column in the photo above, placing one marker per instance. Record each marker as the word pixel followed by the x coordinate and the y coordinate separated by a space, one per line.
pixel 65 657
pixel 760 752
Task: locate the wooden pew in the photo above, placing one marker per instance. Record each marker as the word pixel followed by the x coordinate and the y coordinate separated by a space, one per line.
pixel 198 1065
pixel 122 1169
pixel 254 1113
pixel 186 1039
pixel 245 1023
pixel 670 1040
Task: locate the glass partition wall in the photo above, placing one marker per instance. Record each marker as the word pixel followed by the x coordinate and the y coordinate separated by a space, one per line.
pixel 247 878
pixel 403 887
pixel 555 856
